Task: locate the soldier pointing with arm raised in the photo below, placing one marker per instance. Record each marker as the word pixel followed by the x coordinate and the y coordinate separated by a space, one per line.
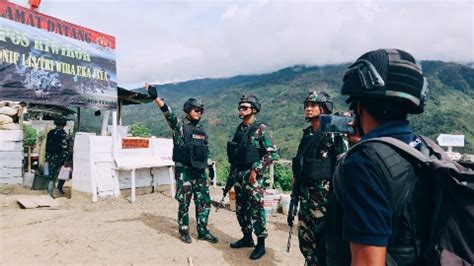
pixel 191 157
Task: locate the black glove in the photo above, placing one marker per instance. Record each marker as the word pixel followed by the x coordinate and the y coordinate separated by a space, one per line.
pixel 211 171
pixel 228 185
pixel 152 92
pixel 292 212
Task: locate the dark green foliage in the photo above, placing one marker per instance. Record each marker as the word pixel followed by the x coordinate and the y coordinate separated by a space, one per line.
pixel 283 177
pixel 29 136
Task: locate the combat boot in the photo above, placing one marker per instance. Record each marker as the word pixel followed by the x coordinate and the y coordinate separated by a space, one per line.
pixel 185 238
pixel 207 236
pixel 245 242
pixel 259 250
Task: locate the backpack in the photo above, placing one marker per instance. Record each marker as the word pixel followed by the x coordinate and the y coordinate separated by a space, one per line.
pixel 451 225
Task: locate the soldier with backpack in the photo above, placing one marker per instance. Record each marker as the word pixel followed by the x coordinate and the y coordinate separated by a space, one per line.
pixel 385 209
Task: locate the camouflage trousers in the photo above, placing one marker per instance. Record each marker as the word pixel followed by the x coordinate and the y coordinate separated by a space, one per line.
pixel 191 182
pixel 249 204
pixel 313 203
pixel 55 161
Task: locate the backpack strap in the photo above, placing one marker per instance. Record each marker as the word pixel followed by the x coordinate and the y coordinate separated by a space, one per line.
pixel 398 145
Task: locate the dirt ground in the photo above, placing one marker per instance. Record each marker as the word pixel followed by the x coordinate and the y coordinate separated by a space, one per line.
pixel 114 231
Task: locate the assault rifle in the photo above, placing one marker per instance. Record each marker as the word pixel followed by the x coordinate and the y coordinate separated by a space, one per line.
pixel 229 184
pixel 292 212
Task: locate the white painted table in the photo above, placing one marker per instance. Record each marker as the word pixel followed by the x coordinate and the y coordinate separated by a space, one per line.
pixel 133 163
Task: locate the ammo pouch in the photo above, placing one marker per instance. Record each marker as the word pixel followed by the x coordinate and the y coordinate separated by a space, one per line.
pixel 181 154
pixel 232 151
pixel 242 154
pixel 252 155
pixel 296 167
pixel 317 169
pixel 199 154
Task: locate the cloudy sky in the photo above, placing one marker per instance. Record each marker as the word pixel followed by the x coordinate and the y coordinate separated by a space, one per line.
pixel 165 41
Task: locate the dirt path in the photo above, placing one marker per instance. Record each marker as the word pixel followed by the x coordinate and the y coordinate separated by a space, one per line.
pixel 115 232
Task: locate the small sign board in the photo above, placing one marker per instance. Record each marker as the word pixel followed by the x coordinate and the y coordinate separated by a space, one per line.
pixel 134 143
pixel 448 140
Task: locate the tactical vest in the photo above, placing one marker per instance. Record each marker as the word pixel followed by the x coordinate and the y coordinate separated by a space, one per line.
pixel 408 204
pixel 310 163
pixel 195 150
pixel 54 141
pixel 241 152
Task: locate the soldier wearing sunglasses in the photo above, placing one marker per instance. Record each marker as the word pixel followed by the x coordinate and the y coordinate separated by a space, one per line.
pixel 191 157
pixel 250 152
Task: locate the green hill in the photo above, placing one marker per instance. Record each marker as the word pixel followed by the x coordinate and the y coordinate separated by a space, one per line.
pixel 449 109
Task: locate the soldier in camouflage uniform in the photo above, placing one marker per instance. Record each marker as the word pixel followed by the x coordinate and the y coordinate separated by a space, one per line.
pixel 313 167
pixel 56 152
pixel 250 152
pixel 191 157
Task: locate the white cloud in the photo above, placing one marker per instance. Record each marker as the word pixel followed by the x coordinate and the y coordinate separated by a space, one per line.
pixel 178 40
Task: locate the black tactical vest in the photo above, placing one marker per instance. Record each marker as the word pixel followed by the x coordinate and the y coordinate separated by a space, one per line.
pixel 408 203
pixel 195 150
pixel 241 152
pixel 315 158
pixel 54 141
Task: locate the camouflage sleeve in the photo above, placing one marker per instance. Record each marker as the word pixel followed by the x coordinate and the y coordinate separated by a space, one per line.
pixel 265 138
pixel 340 146
pixel 171 119
pixel 65 145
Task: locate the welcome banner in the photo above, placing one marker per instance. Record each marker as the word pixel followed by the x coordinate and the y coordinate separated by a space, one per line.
pixel 45 60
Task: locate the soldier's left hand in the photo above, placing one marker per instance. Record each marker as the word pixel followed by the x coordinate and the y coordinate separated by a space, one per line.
pixel 252 177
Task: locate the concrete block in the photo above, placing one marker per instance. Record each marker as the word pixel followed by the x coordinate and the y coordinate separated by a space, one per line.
pixel 11 135
pixel 12 155
pixel 11 146
pixel 11 180
pixel 11 172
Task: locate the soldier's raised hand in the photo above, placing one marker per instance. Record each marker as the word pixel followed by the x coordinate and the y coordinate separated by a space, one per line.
pixel 151 91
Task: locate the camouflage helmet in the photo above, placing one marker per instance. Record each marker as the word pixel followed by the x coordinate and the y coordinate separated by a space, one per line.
pixel 387 74
pixel 192 102
pixel 252 100
pixel 321 98
pixel 60 121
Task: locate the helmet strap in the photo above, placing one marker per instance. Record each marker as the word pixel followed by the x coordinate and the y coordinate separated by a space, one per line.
pixel 358 124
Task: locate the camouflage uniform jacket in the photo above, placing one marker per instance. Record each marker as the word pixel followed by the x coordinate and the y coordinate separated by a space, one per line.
pixel 64 138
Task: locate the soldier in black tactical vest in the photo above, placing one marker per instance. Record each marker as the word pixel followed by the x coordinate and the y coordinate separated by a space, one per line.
pixel 313 167
pixel 250 152
pixel 191 157
pixel 56 152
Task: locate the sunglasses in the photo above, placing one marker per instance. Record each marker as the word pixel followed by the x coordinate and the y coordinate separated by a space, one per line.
pixel 198 110
pixel 243 107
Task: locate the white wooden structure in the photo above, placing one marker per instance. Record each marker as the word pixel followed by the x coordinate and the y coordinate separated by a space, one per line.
pixel 102 167
pixel 11 156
